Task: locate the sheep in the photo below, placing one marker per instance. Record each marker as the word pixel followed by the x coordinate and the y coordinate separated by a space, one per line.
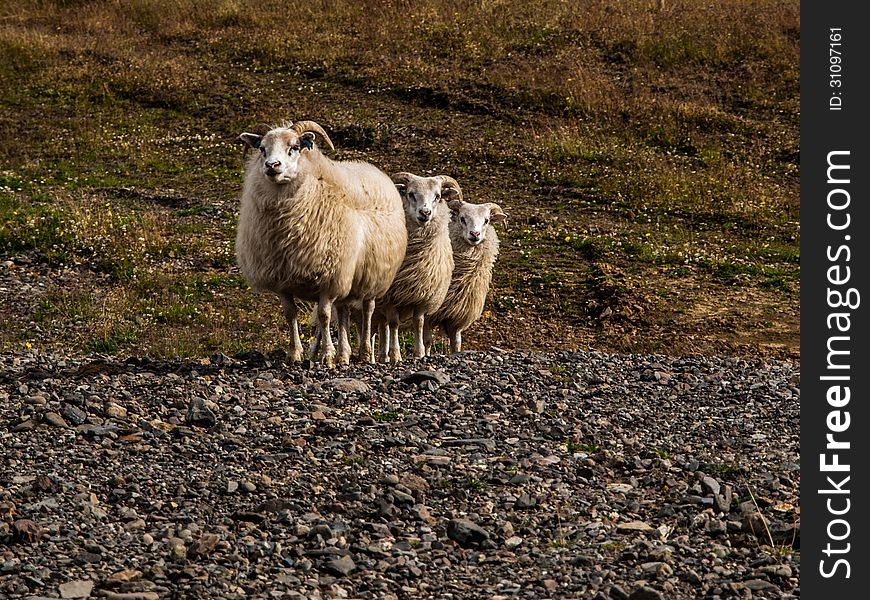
pixel 310 228
pixel 422 281
pixel 475 249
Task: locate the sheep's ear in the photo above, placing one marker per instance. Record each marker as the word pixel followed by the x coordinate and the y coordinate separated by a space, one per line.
pixel 251 139
pixel 454 205
pixel 496 215
pixel 307 139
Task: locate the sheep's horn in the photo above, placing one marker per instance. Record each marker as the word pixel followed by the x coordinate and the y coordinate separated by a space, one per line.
pixel 403 177
pixel 449 183
pixel 496 214
pixel 301 127
pixel 455 205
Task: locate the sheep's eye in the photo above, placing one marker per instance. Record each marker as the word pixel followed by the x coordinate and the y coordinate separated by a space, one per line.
pixel 294 148
pixel 437 197
pixel 263 150
pixel 462 220
pixel 486 221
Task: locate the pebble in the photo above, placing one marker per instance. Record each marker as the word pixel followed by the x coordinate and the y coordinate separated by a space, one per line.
pixel 286 476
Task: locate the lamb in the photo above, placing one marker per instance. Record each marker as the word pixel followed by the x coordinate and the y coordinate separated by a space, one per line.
pixel 424 277
pixel 310 228
pixel 475 249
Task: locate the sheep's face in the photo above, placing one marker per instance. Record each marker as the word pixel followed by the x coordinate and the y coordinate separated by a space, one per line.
pixel 473 220
pixel 423 197
pixel 280 150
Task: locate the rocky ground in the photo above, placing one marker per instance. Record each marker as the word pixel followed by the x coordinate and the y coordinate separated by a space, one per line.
pixel 483 475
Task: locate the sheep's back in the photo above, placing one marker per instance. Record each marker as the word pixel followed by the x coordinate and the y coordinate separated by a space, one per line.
pixel 381 223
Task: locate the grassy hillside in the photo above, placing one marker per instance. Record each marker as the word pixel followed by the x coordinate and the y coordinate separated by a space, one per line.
pixel 647 157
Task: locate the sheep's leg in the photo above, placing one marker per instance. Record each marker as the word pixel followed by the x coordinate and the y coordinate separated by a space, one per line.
pixel 364 329
pixel 384 341
pixel 419 347
pixel 324 316
pixel 314 346
pixel 290 313
pixel 395 354
pixel 427 337
pixel 455 340
pixel 343 340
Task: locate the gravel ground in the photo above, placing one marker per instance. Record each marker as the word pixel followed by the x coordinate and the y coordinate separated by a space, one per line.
pixel 482 475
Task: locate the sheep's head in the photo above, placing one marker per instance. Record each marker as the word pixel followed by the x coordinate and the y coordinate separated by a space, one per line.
pixel 281 148
pixel 473 220
pixel 423 197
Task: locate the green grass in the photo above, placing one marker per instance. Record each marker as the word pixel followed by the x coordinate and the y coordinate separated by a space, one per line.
pixel 574 447
pixel 388 416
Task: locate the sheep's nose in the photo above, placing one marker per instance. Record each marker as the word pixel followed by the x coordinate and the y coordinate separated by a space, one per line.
pixel 474 235
pixel 273 164
pixel 425 213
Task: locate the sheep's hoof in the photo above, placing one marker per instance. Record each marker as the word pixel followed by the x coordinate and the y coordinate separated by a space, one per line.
pixel 329 360
pixel 344 359
pixel 295 357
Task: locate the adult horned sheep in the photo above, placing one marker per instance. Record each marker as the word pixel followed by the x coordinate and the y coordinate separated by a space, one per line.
pixel 310 228
pixel 422 281
pixel 475 248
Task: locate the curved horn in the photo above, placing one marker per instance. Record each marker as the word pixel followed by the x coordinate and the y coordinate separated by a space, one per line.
pixel 301 127
pixel 403 177
pixel 455 205
pixel 496 214
pixel 449 183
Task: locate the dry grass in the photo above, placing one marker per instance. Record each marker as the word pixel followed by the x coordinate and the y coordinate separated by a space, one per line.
pixel 663 141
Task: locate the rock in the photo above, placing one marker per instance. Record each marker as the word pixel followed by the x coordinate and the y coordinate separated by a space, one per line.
pixel 206 543
pixel 761 585
pixel 710 485
pixel 341 566
pixel 80 588
pixel 54 419
pixel 198 413
pixel 460 494
pixel 73 414
pixel 635 526
pixel 177 549
pixel 466 533
pixel 26 531
pixel 350 386
pixel 646 593
pixel 438 377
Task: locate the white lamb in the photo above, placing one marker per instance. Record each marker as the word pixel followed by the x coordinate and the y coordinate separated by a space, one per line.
pixel 424 277
pixel 475 249
pixel 319 230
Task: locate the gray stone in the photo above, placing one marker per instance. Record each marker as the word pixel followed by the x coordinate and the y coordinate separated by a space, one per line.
pixel 200 414
pixel 350 385
pixel 80 588
pixel 710 485
pixel 341 566
pixel 439 377
pixel 466 533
